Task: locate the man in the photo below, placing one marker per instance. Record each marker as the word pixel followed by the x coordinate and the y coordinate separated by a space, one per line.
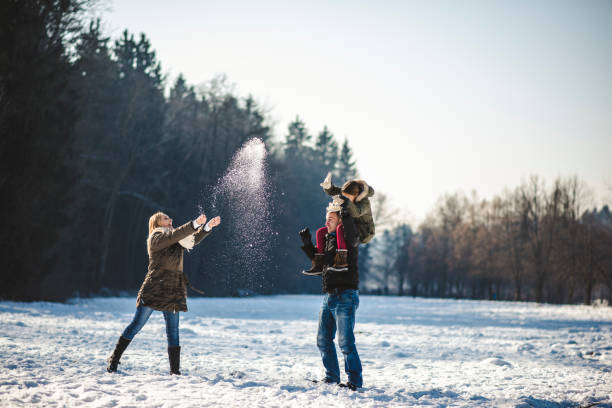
pixel 341 296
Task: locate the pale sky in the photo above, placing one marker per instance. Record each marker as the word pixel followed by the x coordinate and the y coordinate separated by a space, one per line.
pixel 434 96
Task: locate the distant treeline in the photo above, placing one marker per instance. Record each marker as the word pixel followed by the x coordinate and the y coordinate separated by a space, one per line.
pixel 95 140
pixel 531 243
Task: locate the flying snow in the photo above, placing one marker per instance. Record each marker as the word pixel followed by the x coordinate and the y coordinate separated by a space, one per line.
pixel 242 198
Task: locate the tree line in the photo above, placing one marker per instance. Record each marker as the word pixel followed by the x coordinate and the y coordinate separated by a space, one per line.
pixel 95 139
pixel 530 243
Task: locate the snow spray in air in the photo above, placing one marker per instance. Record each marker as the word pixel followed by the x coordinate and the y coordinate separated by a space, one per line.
pixel 242 198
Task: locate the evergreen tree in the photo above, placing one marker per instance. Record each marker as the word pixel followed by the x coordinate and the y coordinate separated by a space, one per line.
pixel 326 149
pixel 347 168
pixel 136 132
pixel 297 137
pixel 184 116
pixel 403 236
pixel 94 81
pixel 37 116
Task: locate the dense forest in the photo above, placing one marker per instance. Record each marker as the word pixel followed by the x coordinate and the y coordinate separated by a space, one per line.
pixel 95 139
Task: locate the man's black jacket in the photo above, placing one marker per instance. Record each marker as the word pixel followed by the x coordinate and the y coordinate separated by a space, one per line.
pixel 333 280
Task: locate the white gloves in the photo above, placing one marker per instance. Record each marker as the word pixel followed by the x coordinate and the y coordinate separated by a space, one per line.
pixel 206 227
pixel 326 184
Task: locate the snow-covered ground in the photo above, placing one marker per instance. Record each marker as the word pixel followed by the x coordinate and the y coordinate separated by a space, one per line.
pixel 261 352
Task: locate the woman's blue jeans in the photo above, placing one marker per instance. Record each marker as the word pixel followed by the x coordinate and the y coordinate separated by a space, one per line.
pixel 338 313
pixel 142 315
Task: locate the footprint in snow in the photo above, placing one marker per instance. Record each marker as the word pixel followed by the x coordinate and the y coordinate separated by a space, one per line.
pixel 497 361
pixel 237 374
pixel 187 332
pixel 525 347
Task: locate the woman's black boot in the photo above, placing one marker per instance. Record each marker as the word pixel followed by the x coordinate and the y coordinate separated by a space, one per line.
pixel 174 355
pixel 113 360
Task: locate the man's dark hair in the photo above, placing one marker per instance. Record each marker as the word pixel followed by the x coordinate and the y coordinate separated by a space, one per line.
pixel 353 188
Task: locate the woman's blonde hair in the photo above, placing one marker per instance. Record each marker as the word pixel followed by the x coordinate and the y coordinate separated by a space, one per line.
pixel 154 221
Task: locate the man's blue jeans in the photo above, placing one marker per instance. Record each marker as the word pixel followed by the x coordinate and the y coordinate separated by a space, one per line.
pixel 142 315
pixel 338 313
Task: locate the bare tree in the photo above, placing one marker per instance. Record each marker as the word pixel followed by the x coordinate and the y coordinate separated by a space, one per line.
pixel 384 215
pixel 512 240
pixel 570 274
pixel 595 253
pixel 540 212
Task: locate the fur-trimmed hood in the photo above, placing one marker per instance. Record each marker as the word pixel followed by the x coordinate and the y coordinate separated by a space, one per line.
pixel 368 191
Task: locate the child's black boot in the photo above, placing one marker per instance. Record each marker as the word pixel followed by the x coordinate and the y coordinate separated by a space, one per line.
pixel 317 265
pixel 340 261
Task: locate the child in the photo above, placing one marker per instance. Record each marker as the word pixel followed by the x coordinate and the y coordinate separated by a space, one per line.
pixel 356 193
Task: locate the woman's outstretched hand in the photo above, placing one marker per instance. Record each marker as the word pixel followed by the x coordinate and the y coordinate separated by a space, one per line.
pixel 214 222
pixel 201 220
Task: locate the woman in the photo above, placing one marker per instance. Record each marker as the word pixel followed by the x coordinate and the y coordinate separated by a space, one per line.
pixel 165 286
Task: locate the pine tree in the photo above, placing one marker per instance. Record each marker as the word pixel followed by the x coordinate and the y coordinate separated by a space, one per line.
pixel 37 116
pixel 326 149
pixel 94 81
pixel 297 137
pixel 347 168
pixel 140 105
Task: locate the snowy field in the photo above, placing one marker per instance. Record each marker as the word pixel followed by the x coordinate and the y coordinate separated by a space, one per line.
pixel 261 352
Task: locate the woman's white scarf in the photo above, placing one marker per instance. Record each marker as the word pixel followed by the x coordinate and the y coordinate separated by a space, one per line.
pixel 186 243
